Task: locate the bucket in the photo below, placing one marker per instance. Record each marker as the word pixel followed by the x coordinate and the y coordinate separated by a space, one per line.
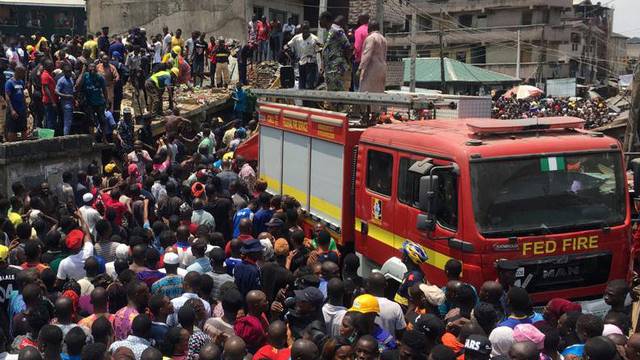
pixel 45 133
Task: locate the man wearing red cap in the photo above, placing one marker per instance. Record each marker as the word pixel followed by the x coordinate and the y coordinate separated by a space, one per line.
pixel 79 245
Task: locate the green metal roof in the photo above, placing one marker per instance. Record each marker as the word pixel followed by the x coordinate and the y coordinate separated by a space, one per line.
pixel 428 71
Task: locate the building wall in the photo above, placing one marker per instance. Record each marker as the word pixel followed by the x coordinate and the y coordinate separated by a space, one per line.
pixel 633 50
pixel 280 9
pixel 28 20
pixel 617 54
pixel 31 162
pixel 506 17
pixel 215 17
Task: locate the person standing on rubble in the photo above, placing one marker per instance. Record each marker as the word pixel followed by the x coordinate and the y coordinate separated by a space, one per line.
pixel 305 48
pixel 222 63
pixel 262 29
pixel 373 65
pixel 199 52
pixel 94 89
pixel 335 54
pixel 156 85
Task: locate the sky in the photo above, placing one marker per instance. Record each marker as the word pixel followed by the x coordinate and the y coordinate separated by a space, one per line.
pixel 625 17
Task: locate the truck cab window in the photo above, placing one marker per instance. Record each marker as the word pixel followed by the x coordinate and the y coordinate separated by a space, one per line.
pixel 408 184
pixel 379 172
pixel 448 212
pixel 409 192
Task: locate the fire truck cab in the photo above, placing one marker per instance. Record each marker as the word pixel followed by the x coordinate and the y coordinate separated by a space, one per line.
pixel 541 192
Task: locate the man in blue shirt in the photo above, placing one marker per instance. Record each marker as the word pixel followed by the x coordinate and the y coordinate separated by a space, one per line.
pixel 64 90
pixel 16 105
pixel 262 216
pixel 94 88
pixel 521 309
pixel 247 273
pixel 201 264
pixel 588 326
pixel 240 106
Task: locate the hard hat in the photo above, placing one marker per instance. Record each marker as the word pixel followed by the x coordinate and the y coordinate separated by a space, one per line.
pixel 175 71
pixel 365 304
pixel 176 49
pixel 415 252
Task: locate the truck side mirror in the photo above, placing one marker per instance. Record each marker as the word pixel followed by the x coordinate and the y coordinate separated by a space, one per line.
pixel 635 167
pixel 425 222
pixel 429 185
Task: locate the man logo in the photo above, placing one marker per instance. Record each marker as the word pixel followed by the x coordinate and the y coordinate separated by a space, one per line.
pixel 561 272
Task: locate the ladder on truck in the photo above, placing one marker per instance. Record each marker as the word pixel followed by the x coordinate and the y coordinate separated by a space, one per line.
pixel 367 107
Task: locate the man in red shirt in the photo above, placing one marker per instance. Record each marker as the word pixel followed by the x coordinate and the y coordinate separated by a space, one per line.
pixel 277 346
pixel 253 327
pixel 49 97
pixel 262 28
pixel 111 201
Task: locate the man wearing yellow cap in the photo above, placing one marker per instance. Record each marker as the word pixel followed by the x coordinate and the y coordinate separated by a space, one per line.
pixel 155 86
pixel 368 308
pixel 173 57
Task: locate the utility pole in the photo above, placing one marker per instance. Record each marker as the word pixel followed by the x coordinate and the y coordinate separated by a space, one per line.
pixel 518 57
pixel 541 56
pixel 322 8
pixel 443 82
pixel 380 14
pixel 412 68
pixel 630 136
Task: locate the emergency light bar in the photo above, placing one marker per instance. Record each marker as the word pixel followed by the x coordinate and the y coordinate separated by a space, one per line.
pixel 495 126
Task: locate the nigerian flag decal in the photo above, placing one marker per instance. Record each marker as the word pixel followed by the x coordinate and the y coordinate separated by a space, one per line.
pixel 553 163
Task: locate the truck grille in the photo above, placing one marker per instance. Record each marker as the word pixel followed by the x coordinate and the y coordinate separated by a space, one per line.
pixel 561 272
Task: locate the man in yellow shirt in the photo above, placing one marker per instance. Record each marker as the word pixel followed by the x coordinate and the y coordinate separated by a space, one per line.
pixel 92 45
pixel 173 57
pixel 177 39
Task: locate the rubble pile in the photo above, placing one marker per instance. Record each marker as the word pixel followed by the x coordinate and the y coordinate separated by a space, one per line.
pixel 186 100
pixel 262 75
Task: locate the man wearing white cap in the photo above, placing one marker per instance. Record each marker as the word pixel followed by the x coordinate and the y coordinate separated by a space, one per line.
pixel 122 253
pixel 170 285
pixel 90 215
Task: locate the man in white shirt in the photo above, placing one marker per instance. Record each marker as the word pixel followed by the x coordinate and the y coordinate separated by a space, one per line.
pixel 14 53
pixel 200 216
pixel 90 216
pixel 391 317
pixel 289 27
pixel 166 41
pixel 305 47
pixel 72 267
pixel 157 53
pixel 122 253
pixel 189 285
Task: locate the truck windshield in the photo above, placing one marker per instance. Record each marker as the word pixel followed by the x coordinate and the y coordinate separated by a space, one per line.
pixel 544 195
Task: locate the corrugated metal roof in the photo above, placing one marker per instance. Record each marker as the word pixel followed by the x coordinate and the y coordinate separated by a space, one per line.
pixel 49 3
pixel 428 70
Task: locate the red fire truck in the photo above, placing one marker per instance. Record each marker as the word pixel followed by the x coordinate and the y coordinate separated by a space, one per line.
pixel 542 192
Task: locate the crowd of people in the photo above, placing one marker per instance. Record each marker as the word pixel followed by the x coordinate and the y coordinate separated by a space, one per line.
pixel 595 112
pixel 180 253
pixel 345 59
pixel 51 80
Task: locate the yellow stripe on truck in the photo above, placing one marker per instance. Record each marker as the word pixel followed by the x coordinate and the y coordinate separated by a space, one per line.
pixel 317 204
pixel 436 258
pixel 298 194
pixel 272 183
pixel 326 207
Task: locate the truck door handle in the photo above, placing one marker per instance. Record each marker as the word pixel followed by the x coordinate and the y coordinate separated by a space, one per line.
pixel 364 228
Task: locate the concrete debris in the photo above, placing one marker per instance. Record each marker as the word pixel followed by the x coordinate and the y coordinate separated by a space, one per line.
pixel 262 75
